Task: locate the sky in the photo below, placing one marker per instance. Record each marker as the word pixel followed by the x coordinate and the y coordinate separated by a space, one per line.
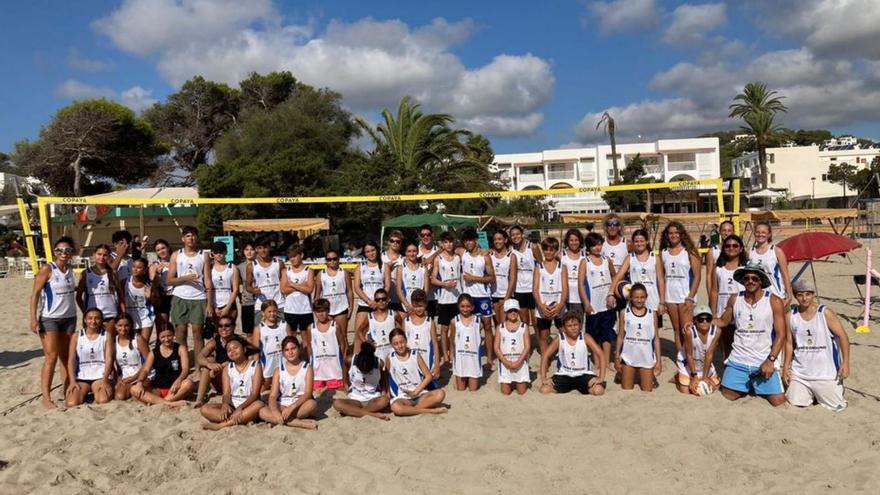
pixel 529 75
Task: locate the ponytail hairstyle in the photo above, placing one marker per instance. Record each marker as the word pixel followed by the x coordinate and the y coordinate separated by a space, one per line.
pixel 366 360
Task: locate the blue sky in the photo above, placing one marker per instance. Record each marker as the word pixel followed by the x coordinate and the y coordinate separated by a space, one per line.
pixel 530 75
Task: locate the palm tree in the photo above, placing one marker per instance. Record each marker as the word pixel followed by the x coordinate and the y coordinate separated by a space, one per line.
pixel 611 129
pixel 757 106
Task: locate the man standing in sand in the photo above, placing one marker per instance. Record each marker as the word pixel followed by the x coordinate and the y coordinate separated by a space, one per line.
pixel 190 276
pixel 757 312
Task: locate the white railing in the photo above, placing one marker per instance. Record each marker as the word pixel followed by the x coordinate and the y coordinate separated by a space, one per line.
pixel 654 169
pixel 562 175
pixel 681 166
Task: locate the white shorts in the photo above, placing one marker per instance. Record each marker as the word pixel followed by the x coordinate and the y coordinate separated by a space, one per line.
pixel 828 393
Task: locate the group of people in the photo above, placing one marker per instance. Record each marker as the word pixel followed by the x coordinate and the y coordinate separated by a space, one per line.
pixel 421 307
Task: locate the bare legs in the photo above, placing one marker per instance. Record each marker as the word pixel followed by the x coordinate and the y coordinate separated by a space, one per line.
pixel 467 383
pixel 628 376
pixel 298 417
pixel 427 404
pixel 101 389
pixel 508 388
pixel 145 393
pixel 353 408
pixel 219 416
pixel 56 345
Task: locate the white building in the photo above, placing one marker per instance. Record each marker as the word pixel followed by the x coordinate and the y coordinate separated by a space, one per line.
pixel 841 141
pixel 803 170
pixel 665 160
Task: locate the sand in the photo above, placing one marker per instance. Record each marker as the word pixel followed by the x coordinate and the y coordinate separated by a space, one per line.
pixel 623 442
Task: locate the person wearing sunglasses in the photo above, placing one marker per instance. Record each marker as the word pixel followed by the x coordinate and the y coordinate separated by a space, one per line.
pixel 391 259
pixel 614 246
pixel 695 363
pixel 771 257
pixel 334 285
pixel 753 362
pixel 722 285
pixel 213 357
pixel 53 314
pixel 817 353
pixel 427 252
pixel 725 230
pixel 99 288
pixel 377 326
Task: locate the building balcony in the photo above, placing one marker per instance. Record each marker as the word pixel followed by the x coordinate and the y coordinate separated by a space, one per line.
pixel 654 169
pixel 682 166
pixel 531 178
pixel 567 175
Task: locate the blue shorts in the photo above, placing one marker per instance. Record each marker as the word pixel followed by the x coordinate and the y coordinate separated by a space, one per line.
pixel 483 306
pixel 601 326
pixel 745 379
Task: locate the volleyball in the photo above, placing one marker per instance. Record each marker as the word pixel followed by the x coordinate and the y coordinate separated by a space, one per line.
pixel 623 288
pixel 704 389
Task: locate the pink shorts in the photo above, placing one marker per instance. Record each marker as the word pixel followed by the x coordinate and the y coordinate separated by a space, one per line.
pixel 331 384
pixel 163 392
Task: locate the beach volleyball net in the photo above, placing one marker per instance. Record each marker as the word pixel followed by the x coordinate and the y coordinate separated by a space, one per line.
pixel 44 202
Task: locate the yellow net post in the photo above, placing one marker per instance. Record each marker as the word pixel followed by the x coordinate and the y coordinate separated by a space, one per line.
pixel 719 192
pixel 736 218
pixel 42 205
pixel 28 235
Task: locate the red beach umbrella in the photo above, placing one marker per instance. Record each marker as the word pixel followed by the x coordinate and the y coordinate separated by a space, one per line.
pixel 811 246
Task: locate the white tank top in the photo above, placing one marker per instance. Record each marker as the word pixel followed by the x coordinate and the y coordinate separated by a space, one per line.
pixel 365 386
pixel 138 306
pixel 638 339
pixel 525 269
pixel 502 273
pixel 162 275
pixel 512 342
pixel 185 266
pixel 392 291
pixel 291 387
pixel 241 383
pixel 59 294
pixel 372 280
pixel 326 357
pixel 475 265
pixel 379 333
pixel 423 255
pixel 467 348
pixel 405 375
pixel 616 253
pixel 645 273
pixel 333 289
pixel 753 337
pixel 716 253
pixel 727 287
pixel 101 294
pixel 268 280
pixel 816 353
pixel 770 263
pixel 222 282
pixel 572 268
pixel 270 347
pixel 449 270
pixel 128 358
pixel 550 286
pixel 573 359
pixel 90 356
pixel 418 338
pixel 412 279
pixel 700 349
pixel 678 275
pixel 298 303
pixel 598 284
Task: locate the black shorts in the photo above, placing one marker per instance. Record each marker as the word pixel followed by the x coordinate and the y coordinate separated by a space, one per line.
pixel 564 384
pixel 364 309
pixel 343 312
pixel 525 299
pixel 546 323
pixel 299 322
pixel 66 325
pixel 396 306
pixel 247 319
pixel 601 326
pixel 432 308
pixel 446 312
pixel 164 304
pixel 496 300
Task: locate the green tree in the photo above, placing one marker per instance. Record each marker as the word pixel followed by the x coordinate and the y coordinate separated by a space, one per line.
pixel 189 123
pixel 634 173
pixel 266 91
pixel 610 128
pixel 757 106
pixel 88 145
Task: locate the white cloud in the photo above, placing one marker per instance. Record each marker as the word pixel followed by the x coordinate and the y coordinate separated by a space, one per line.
pixel 136 97
pixel 505 126
pixel 624 15
pixel 77 61
pixel 372 63
pixel 690 23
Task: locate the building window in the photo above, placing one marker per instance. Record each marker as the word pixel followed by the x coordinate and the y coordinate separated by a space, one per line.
pixel 773 178
pixel 682 161
pixel 531 171
pixel 824 177
pixel 560 171
pixel 771 157
pixel 833 159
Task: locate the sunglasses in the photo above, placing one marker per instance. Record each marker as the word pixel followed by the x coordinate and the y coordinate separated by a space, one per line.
pixel 67 250
pixel 331 260
pixel 751 279
pixel 731 246
pixel 394 241
pixel 381 299
pixel 425 234
pixel 612 224
pixel 224 325
pixel 703 319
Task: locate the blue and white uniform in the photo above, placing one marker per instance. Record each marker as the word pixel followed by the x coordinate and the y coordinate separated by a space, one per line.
pixel 379 333
pixel 372 279
pixel 291 386
pixel 393 297
pixel 679 275
pixel 480 292
pixel 334 290
pixel 59 294
pixel 138 306
pixel 128 358
pixel 512 346
pixel 502 273
pixel 241 382
pixel 525 269
pixel 405 375
pixel 645 273
pixel 270 347
pixel 222 281
pixel 423 255
pixel 574 359
pixel 412 279
pixel 326 354
pixel 615 252
pixel 572 269
pixel 550 287
pixel 90 356
pixel 727 287
pixel 296 302
pixel 598 284
pixel 123 270
pixel 815 364
pixel 187 265
pixel 418 338
pixel 365 386
pixel 268 280
pixel 770 263
pixel 700 349
pixel 468 351
pixel 752 342
pixel 450 269
pixel 638 339
pixel 101 293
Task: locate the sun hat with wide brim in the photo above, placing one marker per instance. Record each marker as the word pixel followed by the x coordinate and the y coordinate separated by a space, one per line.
pixel 752 267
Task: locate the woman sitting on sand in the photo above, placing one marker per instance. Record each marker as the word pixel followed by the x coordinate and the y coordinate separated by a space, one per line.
pixel 169 385
pixel 90 363
pixel 368 393
pixel 410 378
pixel 290 401
pixel 131 351
pixel 213 358
pixel 242 382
